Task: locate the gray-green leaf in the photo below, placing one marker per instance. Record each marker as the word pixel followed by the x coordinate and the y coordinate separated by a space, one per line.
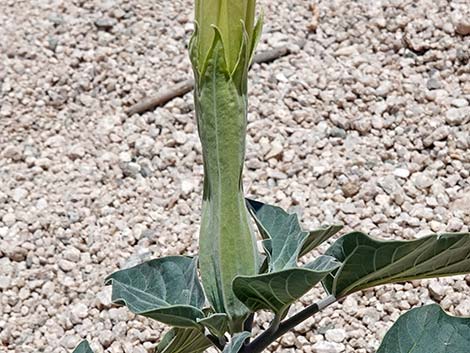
pixel 276 291
pixel 181 340
pixel 83 347
pixel 285 241
pixel 165 289
pixel 367 262
pixel 258 30
pixel 427 330
pixel 236 343
pixel 217 323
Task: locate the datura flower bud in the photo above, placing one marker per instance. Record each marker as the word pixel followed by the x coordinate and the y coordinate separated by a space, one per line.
pixel 221 50
pixel 234 19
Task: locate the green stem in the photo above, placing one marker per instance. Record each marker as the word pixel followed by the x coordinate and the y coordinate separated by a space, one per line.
pixel 248 325
pixel 270 335
pixel 218 342
pixel 273 327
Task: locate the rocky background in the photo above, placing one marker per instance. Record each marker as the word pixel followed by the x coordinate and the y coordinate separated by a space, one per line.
pixel 367 123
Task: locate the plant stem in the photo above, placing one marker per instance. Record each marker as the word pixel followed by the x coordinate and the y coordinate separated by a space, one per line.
pixel 216 341
pixel 273 327
pixel 248 326
pixel 270 335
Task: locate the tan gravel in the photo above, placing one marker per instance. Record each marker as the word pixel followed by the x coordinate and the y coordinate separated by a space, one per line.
pixel 368 125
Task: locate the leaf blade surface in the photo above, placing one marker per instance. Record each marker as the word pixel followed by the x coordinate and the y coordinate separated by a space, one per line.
pixel 165 289
pixel 285 240
pixel 83 347
pixel 427 329
pixel 276 291
pixel 236 343
pixel 181 340
pixel 368 262
pixel 217 323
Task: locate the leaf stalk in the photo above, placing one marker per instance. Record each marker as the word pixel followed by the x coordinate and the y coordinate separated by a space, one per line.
pixel 273 333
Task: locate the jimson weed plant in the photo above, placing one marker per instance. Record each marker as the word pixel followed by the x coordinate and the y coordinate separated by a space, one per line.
pixel 237 279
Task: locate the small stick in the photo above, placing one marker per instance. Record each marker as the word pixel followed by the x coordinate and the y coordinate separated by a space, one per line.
pixel 183 87
pixel 180 89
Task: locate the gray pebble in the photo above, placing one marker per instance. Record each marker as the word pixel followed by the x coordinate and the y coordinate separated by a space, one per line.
pixel 12 152
pixel 336 335
pixel 422 180
pixel 401 173
pixel 131 169
pixel 460 102
pixel 66 265
pixel 144 145
pixel 106 337
pixel 9 219
pixel 458 116
pixel 105 23
pixel 79 311
pixel 389 184
pixel 433 83
pixel 5 282
pixel 328 347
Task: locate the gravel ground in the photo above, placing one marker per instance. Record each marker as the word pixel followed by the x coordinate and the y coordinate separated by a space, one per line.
pixel 368 125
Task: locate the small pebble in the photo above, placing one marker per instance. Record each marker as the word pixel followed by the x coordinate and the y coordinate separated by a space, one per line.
pixel 401 173
pixel 105 23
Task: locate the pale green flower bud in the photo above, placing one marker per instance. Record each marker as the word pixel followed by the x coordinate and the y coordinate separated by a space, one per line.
pixel 221 50
pixel 233 18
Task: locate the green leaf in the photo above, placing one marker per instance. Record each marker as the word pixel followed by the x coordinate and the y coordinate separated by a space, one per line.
pixel 83 347
pixel 367 262
pixel 193 52
pixel 236 343
pixel 165 289
pixel 317 237
pixel 180 340
pixel 427 330
pixel 239 73
pixel 257 31
pixel 216 323
pixel 276 291
pixel 285 241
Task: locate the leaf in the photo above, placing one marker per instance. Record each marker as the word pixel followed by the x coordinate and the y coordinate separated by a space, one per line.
pixel 276 291
pixel 181 340
pixel 257 31
pixel 367 262
pixel 236 343
pixel 285 241
pixel 193 51
pixel 217 323
pixel 317 237
pixel 427 329
pixel 165 289
pixel 239 73
pixel 83 347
